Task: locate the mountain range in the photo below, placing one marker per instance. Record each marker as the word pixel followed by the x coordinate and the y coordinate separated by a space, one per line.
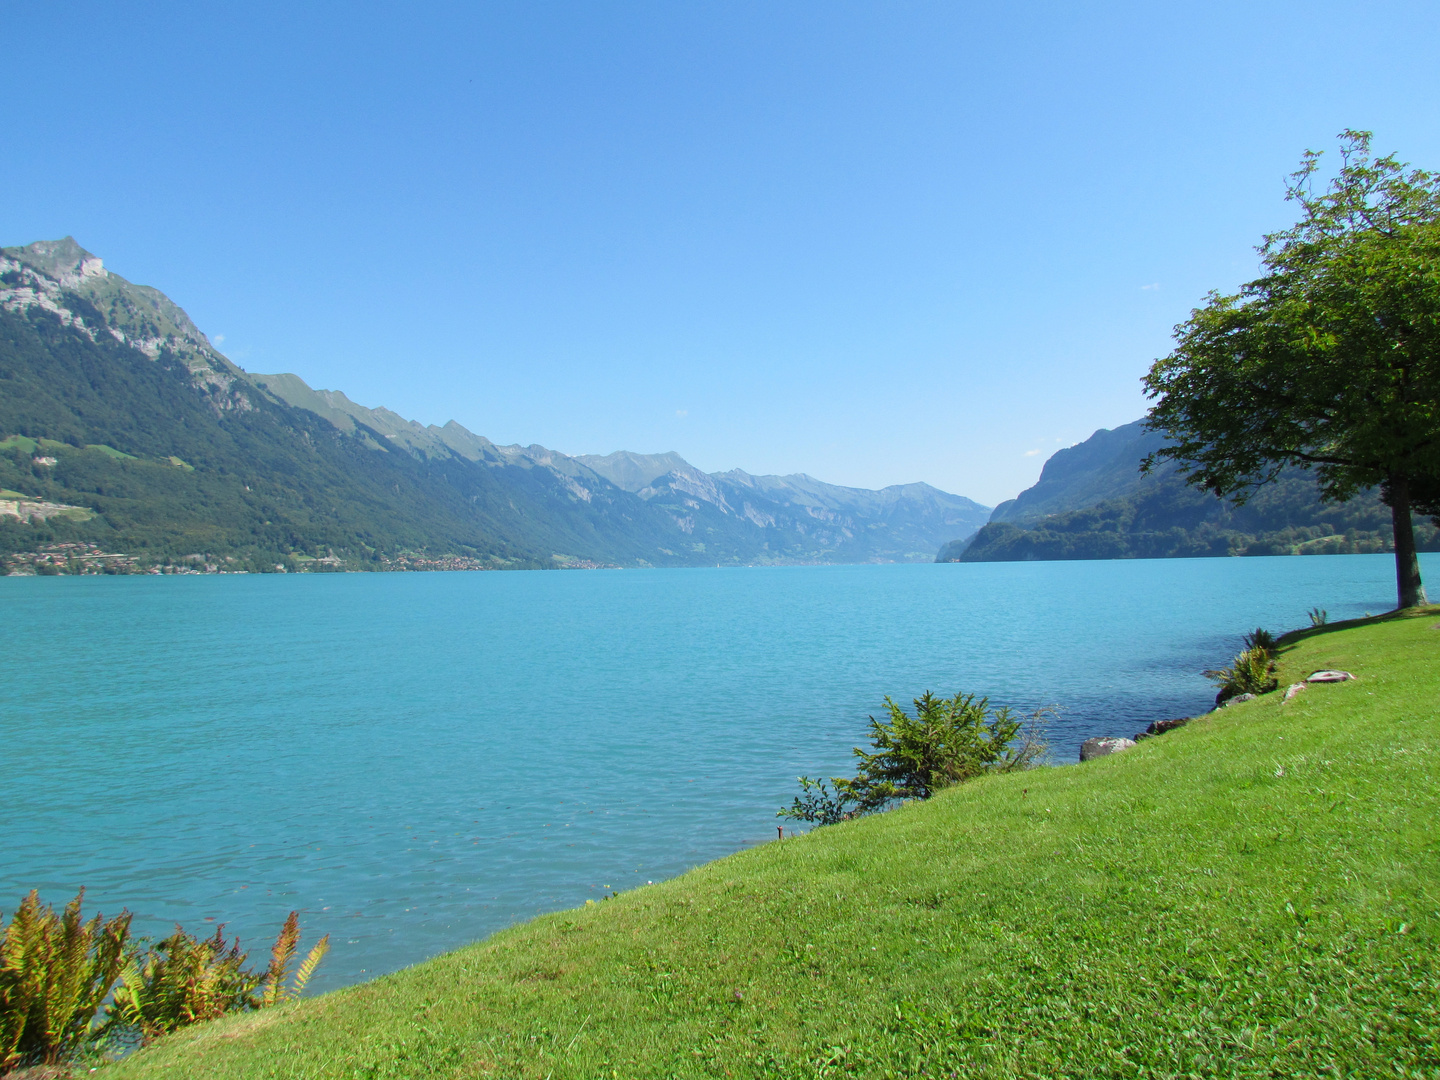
pixel 1092 502
pixel 124 432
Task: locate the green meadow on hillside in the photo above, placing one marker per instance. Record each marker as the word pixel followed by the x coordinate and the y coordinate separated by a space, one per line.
pixel 1254 895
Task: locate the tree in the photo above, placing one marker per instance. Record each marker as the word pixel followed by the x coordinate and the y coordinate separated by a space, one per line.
pixel 1330 361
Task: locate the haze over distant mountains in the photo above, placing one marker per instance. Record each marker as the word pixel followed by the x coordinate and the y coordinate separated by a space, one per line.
pixel 117 409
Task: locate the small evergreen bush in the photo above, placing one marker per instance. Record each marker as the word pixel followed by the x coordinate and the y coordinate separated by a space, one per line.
pixel 947 741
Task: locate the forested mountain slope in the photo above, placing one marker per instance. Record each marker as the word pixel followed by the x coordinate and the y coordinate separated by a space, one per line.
pixel 171 460
pixel 1092 502
pixel 123 431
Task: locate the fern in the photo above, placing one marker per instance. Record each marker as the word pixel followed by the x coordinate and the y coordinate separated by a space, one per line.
pixel 179 982
pixel 308 966
pixel 55 970
pixel 280 956
pixel 1251 672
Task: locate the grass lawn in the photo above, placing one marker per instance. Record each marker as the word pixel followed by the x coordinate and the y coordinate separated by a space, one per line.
pixel 1256 894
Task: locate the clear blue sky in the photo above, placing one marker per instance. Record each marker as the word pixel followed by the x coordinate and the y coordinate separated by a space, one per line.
pixel 874 242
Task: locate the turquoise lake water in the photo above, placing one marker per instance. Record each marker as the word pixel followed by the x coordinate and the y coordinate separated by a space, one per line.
pixel 416 760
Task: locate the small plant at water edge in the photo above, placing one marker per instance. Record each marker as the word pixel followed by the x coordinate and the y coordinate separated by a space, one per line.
pixel 819 804
pixel 281 957
pixel 1251 672
pixel 947 741
pixel 181 981
pixel 184 980
pixel 1318 616
pixel 55 970
pixel 1260 638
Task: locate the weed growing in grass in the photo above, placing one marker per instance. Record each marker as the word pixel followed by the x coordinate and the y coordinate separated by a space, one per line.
pixel 817 803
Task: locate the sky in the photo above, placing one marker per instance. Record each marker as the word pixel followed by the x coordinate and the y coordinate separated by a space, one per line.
pixel 872 242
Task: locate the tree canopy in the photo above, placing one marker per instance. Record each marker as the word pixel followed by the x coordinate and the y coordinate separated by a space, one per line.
pixel 1331 360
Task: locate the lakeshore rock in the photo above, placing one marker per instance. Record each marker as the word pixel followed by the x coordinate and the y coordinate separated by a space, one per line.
pixel 1236 700
pixel 1160 727
pixel 1330 676
pixel 1293 689
pixel 1099 747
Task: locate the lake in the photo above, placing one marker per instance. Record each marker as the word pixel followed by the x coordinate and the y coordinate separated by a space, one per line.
pixel 417 760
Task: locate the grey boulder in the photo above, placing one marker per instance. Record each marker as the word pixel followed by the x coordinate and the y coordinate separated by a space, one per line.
pixel 1099 747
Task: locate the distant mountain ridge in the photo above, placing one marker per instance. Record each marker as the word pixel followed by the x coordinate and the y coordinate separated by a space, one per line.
pixel 276 473
pixel 909 513
pixel 800 518
pixel 1092 502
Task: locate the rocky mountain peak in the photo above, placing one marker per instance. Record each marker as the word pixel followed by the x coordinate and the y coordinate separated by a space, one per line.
pixel 64 260
pixel 49 274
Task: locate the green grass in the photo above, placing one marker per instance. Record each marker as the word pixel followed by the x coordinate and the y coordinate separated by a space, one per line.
pixel 1257 895
pixel 110 451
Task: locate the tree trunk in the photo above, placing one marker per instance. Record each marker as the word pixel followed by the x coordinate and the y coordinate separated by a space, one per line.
pixel 1407 564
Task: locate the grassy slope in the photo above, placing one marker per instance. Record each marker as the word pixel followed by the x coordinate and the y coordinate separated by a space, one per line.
pixel 1255 895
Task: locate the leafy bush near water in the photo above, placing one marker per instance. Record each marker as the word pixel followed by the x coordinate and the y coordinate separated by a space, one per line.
pixel 947 741
pixel 1251 672
pixel 57 971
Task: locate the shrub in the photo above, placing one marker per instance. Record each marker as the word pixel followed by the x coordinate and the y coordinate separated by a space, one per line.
pixel 1251 672
pixel 1318 616
pixel 55 970
pixel 817 803
pixel 947 741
